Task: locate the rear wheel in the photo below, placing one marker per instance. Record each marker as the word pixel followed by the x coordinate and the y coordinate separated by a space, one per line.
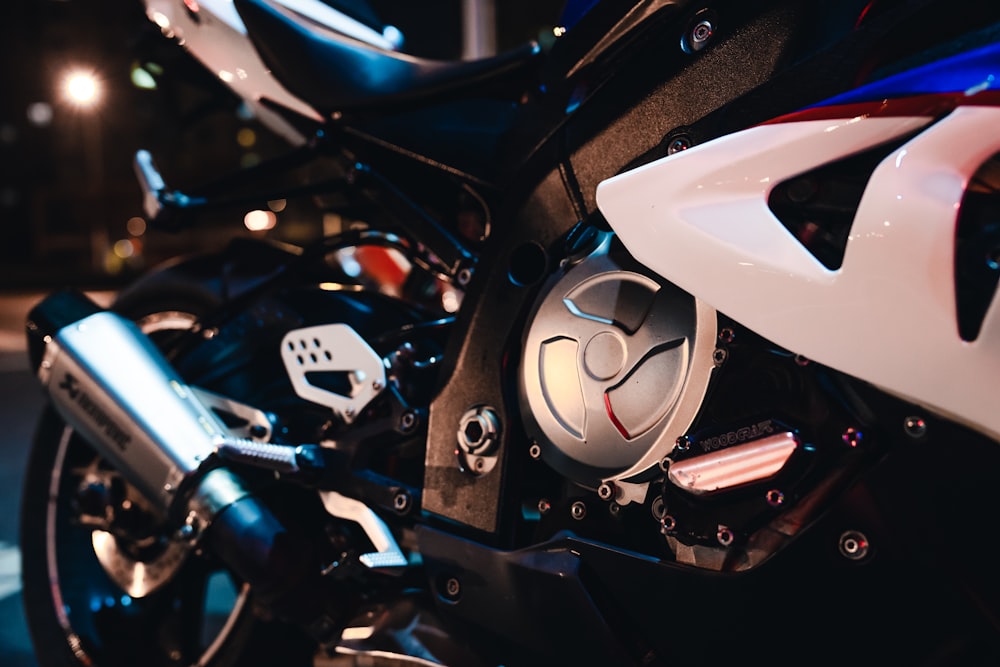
pixel 105 581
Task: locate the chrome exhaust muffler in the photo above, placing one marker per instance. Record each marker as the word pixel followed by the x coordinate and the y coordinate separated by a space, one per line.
pixel 110 383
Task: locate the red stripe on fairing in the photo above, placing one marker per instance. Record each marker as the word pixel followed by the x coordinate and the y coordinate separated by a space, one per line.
pixel 614 420
pixel 933 106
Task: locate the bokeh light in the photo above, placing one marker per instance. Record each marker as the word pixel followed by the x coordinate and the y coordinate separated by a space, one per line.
pixel 82 88
pixel 259 221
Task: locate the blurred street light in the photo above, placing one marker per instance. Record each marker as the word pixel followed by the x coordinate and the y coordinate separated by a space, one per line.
pixel 82 89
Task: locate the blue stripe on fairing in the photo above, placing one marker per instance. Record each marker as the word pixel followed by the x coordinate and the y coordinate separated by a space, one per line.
pixel 574 10
pixel 969 72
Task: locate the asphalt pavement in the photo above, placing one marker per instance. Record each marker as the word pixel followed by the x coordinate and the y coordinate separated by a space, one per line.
pixel 21 400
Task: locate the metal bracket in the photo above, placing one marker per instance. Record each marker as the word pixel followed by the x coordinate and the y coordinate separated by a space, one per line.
pixel 333 349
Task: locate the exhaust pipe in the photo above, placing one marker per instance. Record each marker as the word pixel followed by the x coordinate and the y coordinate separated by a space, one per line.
pixel 110 383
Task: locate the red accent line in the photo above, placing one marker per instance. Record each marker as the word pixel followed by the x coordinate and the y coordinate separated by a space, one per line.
pixel 864 13
pixel 932 105
pixel 614 420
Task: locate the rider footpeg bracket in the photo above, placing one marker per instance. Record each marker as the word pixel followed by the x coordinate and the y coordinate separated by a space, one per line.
pixel 332 365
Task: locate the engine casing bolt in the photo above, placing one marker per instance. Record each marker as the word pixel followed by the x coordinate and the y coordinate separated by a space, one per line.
pixel 719 356
pixel 544 506
pixel 701 32
pixel 853 545
pixel 535 451
pixel 453 588
pixel 682 444
pixel 725 536
pixel 915 427
pixel 667 524
pixel 775 497
pixel 605 491
pixel 727 335
pixel 578 510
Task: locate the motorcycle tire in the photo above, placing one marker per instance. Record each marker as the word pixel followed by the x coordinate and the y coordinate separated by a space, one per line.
pixel 76 612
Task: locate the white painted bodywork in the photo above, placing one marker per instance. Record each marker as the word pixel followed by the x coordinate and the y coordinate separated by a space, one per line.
pixel 219 41
pixel 888 314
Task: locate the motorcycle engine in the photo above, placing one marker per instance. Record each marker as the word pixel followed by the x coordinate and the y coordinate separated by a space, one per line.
pixel 635 389
pixel 615 367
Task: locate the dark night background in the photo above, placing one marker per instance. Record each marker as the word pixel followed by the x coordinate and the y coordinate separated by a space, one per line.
pixel 67 190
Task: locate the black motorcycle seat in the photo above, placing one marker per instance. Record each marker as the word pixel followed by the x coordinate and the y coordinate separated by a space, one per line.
pixel 337 73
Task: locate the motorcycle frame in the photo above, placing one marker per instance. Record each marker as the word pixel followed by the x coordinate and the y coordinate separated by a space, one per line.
pixel 596 112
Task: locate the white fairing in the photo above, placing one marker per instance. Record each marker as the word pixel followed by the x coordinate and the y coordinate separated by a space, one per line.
pixel 219 40
pixel 888 315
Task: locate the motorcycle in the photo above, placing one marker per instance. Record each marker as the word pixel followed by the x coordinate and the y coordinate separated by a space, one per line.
pixel 687 357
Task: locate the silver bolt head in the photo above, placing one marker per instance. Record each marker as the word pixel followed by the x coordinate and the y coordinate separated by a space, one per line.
pixel 853 545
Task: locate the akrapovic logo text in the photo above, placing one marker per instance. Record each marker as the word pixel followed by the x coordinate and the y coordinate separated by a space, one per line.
pixel 101 419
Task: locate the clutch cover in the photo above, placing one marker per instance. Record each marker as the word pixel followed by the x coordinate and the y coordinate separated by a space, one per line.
pixel 616 364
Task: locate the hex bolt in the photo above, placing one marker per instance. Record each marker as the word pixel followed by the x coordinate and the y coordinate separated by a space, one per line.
pixel 667 524
pixel 701 33
pixel 678 144
pixel 606 491
pixel 727 335
pixel 775 497
pixel 578 510
pixel 535 451
pixel 479 431
pixel 724 535
pixel 401 502
pixel 853 545
pixel 453 588
pixel 408 421
pixel 682 444
pixel 915 427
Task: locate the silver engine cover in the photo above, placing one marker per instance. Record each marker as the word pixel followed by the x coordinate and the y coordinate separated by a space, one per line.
pixel 616 364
